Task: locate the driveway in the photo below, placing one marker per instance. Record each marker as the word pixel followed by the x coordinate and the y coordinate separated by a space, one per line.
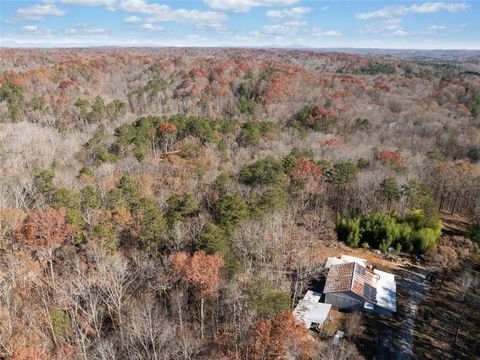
pixel 412 287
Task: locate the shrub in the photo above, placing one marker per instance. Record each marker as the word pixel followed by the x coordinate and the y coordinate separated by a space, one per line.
pixel 250 134
pixel 214 239
pixel 43 181
pixel 13 94
pixel 200 127
pixel 425 239
pixel 98 109
pixel 139 134
pixel 363 163
pixel 272 198
pixel 115 199
pixel 265 299
pixel 181 206
pixel 349 230
pixel 378 68
pixel 65 198
pixel 152 226
pixel 89 198
pixel 86 172
pixel 267 171
pixel 130 190
pixel 246 106
pixel 318 118
pixel 340 174
pixel 116 109
pixel 60 321
pixel 230 210
pixel 226 126
pixel 288 162
pixel 105 235
pixel 363 125
pixel 152 88
pixel 382 231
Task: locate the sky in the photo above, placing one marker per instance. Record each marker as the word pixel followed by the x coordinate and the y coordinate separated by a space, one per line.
pixel 241 23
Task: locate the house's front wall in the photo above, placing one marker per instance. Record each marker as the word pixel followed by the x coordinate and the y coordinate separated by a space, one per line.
pixel 343 300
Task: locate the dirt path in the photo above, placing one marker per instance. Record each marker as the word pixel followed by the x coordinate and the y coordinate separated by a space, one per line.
pixel 413 287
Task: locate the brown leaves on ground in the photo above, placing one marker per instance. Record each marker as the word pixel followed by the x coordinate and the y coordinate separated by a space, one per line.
pixel 9 220
pixel 29 353
pixel 44 226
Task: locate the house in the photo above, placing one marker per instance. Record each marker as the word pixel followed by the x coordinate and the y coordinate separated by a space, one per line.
pixel 351 283
pixel 310 311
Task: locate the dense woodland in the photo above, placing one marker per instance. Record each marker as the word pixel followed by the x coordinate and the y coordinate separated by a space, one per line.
pixel 174 203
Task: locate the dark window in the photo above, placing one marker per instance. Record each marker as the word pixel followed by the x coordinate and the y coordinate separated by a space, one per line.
pixel 361 270
pixel 369 292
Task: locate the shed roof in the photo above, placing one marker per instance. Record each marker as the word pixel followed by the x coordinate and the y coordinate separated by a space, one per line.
pixel 344 259
pixel 348 258
pixel 310 311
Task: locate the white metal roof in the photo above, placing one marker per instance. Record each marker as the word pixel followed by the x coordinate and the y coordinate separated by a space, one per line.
pixel 310 311
pixel 386 290
pixel 358 260
pixel 344 259
pixel 333 261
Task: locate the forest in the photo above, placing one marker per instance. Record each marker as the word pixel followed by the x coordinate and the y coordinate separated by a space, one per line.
pixel 176 203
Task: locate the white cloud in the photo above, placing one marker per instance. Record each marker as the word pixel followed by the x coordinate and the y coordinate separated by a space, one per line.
pixel 245 5
pixel 109 4
pixel 436 27
pixel 157 12
pixel 132 20
pixel 218 27
pixel 399 32
pixel 288 28
pixel 295 12
pixel 38 12
pixel 85 29
pixel 390 26
pixel 425 8
pixel 436 30
pixel 320 32
pixel 164 13
pixel 151 28
pixel 34 29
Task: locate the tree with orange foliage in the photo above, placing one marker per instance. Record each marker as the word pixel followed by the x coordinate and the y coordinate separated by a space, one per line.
pixel 45 228
pixel 166 136
pixel 307 177
pixel 200 270
pixel 280 337
pixel 391 158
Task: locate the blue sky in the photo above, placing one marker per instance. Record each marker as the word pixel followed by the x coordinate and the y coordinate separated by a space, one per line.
pixel 258 23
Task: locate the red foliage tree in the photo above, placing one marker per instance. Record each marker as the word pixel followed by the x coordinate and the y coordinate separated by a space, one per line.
pixel 45 228
pixel 305 167
pixel 389 157
pixel 200 270
pixel 280 337
pixel 311 176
